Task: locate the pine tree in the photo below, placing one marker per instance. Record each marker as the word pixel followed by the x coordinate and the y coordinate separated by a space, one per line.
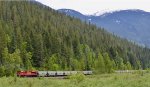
pixel 2 71
pixel 128 66
pixel 100 64
pixel 108 63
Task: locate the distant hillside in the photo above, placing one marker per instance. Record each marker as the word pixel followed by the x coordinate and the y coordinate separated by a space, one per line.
pixel 131 24
pixel 34 36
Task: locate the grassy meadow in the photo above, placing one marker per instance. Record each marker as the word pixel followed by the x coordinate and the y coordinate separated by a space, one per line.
pixel 103 80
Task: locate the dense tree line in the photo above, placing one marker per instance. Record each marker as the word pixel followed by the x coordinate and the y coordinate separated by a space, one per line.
pixel 34 36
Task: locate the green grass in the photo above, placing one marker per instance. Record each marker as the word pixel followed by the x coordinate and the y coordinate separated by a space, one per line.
pixel 104 80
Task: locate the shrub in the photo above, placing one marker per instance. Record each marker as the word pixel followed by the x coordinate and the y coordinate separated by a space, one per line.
pixel 2 71
pixel 77 78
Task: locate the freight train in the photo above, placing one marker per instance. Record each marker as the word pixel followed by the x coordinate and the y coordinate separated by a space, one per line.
pixel 50 73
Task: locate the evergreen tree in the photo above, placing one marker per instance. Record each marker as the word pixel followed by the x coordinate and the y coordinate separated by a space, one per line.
pixel 128 66
pixel 108 63
pixel 2 71
pixel 100 64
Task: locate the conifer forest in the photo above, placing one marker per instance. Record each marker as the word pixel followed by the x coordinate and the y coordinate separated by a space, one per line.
pixel 36 37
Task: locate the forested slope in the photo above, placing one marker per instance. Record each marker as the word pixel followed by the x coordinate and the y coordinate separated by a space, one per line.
pixel 33 36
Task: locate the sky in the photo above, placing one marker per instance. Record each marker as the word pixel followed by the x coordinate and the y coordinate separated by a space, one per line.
pixel 93 6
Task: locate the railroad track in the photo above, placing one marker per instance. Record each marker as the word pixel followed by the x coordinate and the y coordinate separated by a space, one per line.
pixel 129 71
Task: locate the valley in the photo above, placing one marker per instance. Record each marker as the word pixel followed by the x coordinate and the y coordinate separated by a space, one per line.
pixel 36 39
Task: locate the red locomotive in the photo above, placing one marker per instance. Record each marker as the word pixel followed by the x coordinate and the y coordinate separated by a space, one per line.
pixel 27 73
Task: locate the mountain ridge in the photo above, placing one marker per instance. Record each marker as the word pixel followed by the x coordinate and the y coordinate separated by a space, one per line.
pixel 124 23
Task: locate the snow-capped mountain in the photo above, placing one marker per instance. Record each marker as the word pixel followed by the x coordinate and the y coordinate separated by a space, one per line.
pixel 73 13
pixel 131 24
pixel 103 12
